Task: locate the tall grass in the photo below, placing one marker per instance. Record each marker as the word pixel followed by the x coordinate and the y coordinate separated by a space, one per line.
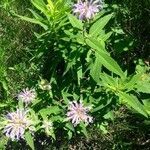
pixel 16 39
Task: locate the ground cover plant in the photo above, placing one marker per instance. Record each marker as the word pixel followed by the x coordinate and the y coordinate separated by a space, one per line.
pixel 70 70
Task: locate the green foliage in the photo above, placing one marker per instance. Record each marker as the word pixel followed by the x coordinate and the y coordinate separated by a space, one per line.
pixel 72 60
pixel 133 102
pixel 29 140
pixel 54 14
pixel 75 22
pixel 97 27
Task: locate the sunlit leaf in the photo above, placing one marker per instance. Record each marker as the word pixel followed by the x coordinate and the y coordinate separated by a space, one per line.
pixel 133 102
pixel 76 23
pixel 29 140
pixel 99 25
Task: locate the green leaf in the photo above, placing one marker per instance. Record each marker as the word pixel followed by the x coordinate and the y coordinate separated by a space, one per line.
pixel 36 101
pixel 65 96
pixel 95 69
pixel 36 15
pixel 69 134
pixel 3 105
pixel 132 101
pixel 110 64
pixel 76 23
pixel 35 21
pixel 51 110
pixel 109 115
pixel 106 36
pixel 53 134
pixel 57 118
pixel 146 103
pixel 132 82
pixel 70 126
pixel 40 5
pixel 3 142
pixel 83 129
pixel 104 129
pixel 106 60
pixel 20 104
pixel 5 85
pixel 95 44
pixel 104 57
pixel 107 79
pixel 143 87
pixel 99 25
pixel 79 75
pixel 29 140
pixel 51 6
pixel 80 38
pixel 101 106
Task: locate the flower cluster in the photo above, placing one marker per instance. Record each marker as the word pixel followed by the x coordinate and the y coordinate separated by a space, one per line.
pixel 27 95
pixel 87 9
pixel 17 123
pixel 77 113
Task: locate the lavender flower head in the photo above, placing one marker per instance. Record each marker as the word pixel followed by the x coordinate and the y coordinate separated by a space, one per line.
pixel 27 95
pixel 87 9
pixel 77 113
pixel 17 123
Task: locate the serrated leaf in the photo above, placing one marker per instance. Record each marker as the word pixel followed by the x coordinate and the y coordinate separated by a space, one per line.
pixel 106 60
pixel 76 23
pixel 110 64
pixel 108 79
pixel 56 118
pixel 132 81
pixel 80 38
pixel 95 44
pixel 36 101
pixel 48 111
pixel 53 135
pixel 99 25
pixel 146 103
pixel 143 87
pixel 106 36
pixel 65 96
pixel 133 102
